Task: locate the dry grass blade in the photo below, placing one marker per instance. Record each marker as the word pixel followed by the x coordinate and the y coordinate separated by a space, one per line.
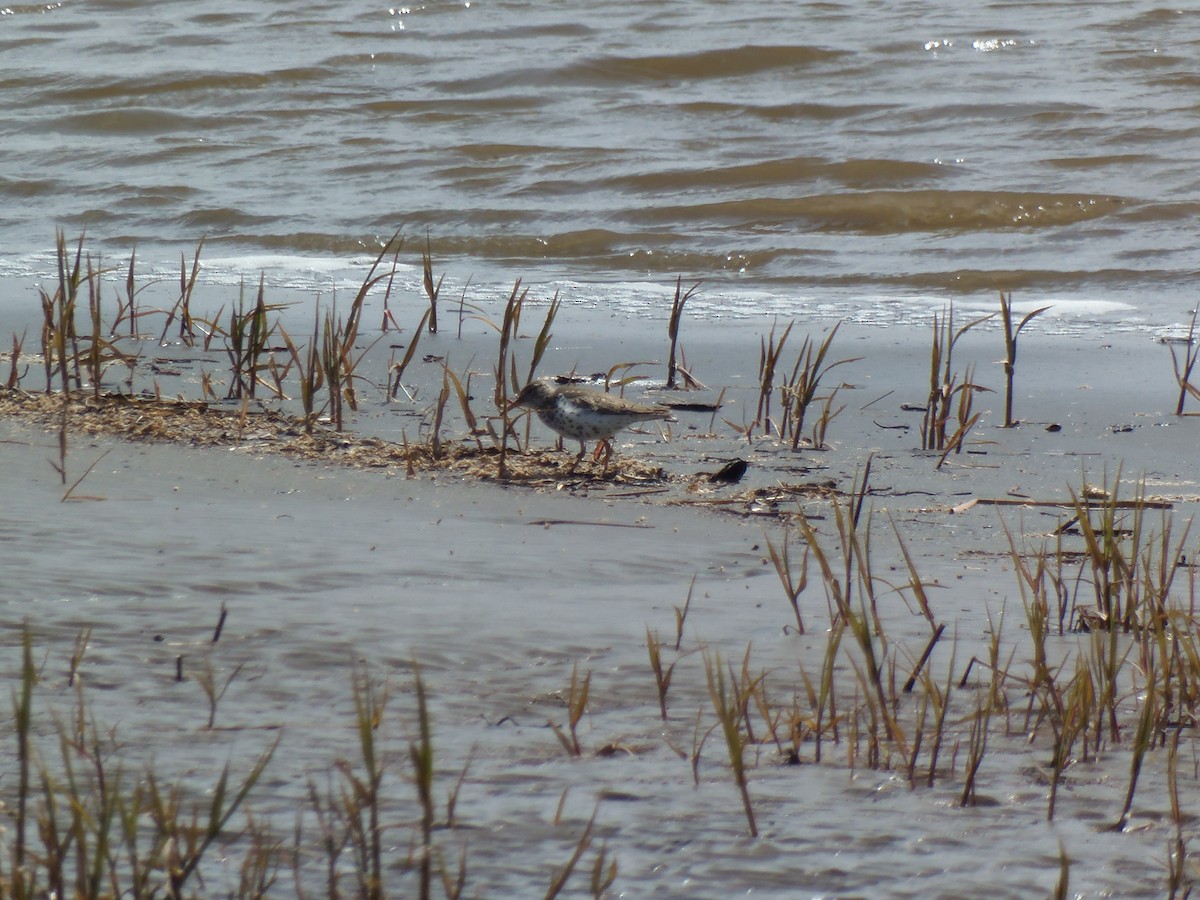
pixel 1143 740
pixel 464 402
pixel 69 494
pixel 833 587
pixel 1062 889
pixel 388 319
pixel 409 353
pixel 1183 374
pixel 919 667
pixel 954 444
pixel 681 614
pixel 543 338
pixel 420 754
pixel 438 414
pixel 354 319
pixel 431 290
pixel 915 584
pixel 506 369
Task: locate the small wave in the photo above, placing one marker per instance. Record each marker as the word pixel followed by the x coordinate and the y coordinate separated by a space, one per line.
pixel 781 112
pixel 894 212
pixel 793 170
pixel 731 62
pixel 23 189
pixel 222 218
pixel 606 71
pixel 133 121
pixel 96 89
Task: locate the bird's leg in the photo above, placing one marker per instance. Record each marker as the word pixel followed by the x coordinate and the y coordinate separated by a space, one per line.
pixel 579 458
pixel 608 452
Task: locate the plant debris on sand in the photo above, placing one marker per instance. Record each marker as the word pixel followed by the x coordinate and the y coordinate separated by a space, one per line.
pixel 262 430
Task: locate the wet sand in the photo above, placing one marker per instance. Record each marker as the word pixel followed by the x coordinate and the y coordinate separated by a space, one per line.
pixel 498 591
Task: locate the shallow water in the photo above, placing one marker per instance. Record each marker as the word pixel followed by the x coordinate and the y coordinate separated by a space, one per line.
pixel 321 572
pixel 789 154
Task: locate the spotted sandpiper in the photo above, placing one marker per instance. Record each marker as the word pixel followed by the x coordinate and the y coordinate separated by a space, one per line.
pixel 585 415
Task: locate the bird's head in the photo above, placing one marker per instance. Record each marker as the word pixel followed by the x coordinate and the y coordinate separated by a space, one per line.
pixel 535 395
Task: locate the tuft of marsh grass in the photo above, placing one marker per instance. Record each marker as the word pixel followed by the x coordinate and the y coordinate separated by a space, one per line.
pixel 604 871
pixel 577 704
pixel 508 382
pixel 309 371
pixel 95 831
pixel 247 343
pixel 214 692
pixel 1071 723
pixel 350 816
pixel 793 587
pixel 976 748
pixel 729 702
pixel 662 676
pixel 799 389
pixel 100 351
pixel 14 362
pixel 127 308
pixel 506 369
pixel 60 349
pixel 183 305
pixel 1131 573
pixel 942 379
pixel 82 639
pixel 768 361
pixel 673 322
pixel 1011 334
pixel 964 414
pixel 438 413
